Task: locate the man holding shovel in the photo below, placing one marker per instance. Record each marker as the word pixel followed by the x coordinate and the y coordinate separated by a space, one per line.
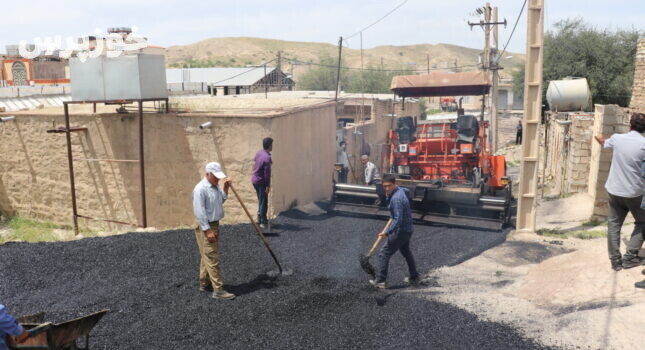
pixel 398 233
pixel 208 206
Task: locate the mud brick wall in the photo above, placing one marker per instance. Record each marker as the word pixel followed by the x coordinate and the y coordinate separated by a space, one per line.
pixel 34 180
pixel 638 90
pixel 608 120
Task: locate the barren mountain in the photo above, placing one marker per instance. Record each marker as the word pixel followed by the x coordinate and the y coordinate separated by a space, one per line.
pixel 239 52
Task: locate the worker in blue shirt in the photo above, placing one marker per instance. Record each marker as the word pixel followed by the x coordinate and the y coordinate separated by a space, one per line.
pixel 9 326
pixel 398 234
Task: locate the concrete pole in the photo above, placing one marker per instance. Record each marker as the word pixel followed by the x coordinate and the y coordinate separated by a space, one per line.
pixel 340 51
pixel 495 94
pixel 526 211
pixel 487 37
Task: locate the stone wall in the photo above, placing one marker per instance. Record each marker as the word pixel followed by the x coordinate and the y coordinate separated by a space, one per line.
pixel 638 90
pixel 608 120
pixel 34 179
pixel 568 151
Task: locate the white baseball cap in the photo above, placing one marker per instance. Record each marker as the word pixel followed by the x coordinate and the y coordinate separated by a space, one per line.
pixel 215 169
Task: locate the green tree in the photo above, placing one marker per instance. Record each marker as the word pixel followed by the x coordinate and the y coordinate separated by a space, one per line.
pixel 576 49
pixel 322 76
pixel 373 80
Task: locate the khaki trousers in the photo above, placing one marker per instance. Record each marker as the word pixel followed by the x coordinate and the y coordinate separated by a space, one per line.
pixel 209 272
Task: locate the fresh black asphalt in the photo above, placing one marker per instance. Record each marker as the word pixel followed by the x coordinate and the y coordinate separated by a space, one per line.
pixel 149 282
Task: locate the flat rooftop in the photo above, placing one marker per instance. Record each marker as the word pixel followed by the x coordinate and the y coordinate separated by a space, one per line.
pixel 195 105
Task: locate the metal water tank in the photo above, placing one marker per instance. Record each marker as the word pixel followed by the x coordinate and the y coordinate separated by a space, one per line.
pixel 569 94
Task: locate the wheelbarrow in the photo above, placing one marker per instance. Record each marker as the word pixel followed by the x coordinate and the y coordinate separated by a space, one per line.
pixel 56 336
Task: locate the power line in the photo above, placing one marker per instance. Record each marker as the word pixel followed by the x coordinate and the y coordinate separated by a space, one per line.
pixel 378 20
pixel 512 31
pixel 376 69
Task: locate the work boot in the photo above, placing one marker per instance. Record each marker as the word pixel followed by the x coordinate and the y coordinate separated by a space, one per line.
pixel 633 262
pixel 412 281
pixel 205 288
pixel 222 295
pixel 640 284
pixel 378 285
pixel 616 265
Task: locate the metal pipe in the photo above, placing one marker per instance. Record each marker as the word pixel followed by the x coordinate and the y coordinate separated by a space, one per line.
pixel 109 160
pixel 6 119
pixel 70 161
pixel 142 167
pixel 357 194
pixel 355 187
pixel 108 220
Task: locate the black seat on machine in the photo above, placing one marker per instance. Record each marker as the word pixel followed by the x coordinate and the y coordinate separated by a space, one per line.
pixel 467 128
pixel 406 130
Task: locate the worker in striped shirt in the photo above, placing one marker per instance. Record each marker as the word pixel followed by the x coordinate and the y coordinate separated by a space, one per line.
pixel 371 172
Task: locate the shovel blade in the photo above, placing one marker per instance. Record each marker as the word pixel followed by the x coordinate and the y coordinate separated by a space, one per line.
pixel 366 265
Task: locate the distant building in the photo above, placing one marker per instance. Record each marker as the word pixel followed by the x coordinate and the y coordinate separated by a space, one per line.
pixel 228 81
pixel 18 71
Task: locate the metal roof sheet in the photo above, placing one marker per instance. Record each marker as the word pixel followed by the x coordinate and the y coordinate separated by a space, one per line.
pixel 441 84
pixel 219 76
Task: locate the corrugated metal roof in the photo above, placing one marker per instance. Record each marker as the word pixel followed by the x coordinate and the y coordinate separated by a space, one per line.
pixel 33 102
pixel 441 84
pixel 219 76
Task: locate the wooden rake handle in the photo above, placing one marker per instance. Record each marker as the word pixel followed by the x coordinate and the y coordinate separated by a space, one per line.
pixel 255 225
pixel 379 239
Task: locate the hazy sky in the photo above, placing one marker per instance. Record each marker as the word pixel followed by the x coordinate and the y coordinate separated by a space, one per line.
pixel 175 22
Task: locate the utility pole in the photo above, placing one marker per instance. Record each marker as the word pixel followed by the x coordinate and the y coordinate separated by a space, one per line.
pixel 266 86
pixel 428 55
pixel 489 62
pixel 279 70
pixel 340 51
pixel 526 211
pixel 382 66
pixel 493 60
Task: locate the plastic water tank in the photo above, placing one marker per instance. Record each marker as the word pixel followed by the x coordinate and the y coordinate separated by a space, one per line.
pixel 570 94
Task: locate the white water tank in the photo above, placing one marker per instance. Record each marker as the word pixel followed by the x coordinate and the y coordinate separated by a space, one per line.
pixel 569 94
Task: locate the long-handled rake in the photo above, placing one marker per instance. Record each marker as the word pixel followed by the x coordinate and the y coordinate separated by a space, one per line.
pixel 261 235
pixel 365 259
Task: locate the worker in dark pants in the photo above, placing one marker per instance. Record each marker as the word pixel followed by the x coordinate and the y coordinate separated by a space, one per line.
pixel 518 135
pixel 342 158
pixel 626 188
pixel 398 234
pixel 261 179
pixel 641 284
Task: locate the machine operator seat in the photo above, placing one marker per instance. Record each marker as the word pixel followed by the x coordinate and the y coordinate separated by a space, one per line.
pixel 467 128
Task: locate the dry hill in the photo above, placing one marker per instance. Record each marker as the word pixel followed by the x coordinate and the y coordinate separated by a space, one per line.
pixel 238 52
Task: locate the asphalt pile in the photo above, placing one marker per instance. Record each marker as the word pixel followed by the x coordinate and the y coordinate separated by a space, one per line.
pixel 149 282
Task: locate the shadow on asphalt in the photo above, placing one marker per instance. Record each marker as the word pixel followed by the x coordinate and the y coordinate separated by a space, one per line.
pixel 260 282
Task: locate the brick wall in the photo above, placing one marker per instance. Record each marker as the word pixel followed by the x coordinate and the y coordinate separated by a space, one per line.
pixel 608 120
pixel 638 89
pixel 580 138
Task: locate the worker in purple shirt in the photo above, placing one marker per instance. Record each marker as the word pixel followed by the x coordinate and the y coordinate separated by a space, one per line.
pixel 9 326
pixel 261 179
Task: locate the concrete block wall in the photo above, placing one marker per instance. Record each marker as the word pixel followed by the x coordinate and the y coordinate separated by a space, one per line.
pixel 568 151
pixel 608 120
pixel 638 89
pixel 580 138
pixel 34 180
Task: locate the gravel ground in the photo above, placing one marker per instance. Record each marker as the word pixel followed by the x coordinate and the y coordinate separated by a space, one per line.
pixel 149 282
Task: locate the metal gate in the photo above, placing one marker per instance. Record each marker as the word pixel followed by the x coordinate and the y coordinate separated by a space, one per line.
pixel 19 73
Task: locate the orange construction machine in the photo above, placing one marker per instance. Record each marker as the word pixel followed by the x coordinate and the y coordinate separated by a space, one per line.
pixel 448 167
